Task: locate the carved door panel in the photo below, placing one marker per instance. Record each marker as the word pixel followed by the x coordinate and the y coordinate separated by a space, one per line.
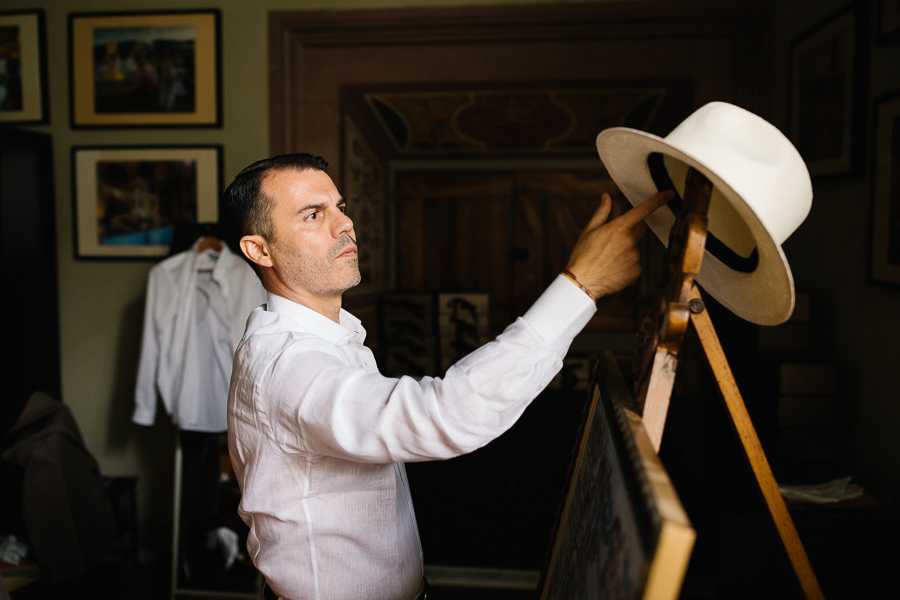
pixel 453 234
pixel 502 233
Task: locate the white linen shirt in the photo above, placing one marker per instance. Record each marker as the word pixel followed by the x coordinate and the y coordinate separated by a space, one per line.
pixel 317 438
pixel 186 358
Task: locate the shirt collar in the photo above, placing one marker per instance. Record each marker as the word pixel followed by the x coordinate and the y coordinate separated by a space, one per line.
pixel 349 330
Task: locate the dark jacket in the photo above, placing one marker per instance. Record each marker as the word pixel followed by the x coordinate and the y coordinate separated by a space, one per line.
pixel 66 512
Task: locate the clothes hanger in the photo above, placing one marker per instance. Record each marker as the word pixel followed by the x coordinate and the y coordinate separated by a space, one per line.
pixel 209 242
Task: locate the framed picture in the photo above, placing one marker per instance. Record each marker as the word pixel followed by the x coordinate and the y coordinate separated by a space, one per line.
pixel 888 21
pixel 23 86
pixel 884 263
pixel 145 69
pixel 827 67
pixel 129 201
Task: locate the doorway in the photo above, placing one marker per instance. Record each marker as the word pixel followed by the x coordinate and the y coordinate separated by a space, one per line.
pixel 28 255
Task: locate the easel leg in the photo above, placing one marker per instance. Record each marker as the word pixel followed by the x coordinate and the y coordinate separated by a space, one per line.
pixel 656 394
pixel 755 454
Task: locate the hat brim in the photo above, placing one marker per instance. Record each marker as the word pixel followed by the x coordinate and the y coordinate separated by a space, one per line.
pixel 765 295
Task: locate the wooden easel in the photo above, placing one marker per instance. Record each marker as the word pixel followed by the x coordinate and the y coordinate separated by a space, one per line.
pixel 662 331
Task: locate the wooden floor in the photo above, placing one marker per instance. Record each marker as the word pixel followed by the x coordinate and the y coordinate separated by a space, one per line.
pixel 141 583
pixel 465 593
pixel 449 583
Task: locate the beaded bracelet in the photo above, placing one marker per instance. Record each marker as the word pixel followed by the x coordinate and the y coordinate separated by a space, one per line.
pixel 571 277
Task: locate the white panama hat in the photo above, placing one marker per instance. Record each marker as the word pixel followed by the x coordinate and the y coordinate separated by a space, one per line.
pixel 761 194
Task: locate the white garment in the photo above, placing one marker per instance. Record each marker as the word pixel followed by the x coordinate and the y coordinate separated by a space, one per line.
pixel 196 309
pixel 317 437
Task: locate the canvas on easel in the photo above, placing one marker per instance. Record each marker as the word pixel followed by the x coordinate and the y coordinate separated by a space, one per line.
pixel 622 532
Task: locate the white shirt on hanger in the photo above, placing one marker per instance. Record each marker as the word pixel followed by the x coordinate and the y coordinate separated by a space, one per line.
pixel 196 309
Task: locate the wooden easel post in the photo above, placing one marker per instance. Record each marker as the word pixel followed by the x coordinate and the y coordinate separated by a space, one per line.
pixel 663 330
pixel 664 327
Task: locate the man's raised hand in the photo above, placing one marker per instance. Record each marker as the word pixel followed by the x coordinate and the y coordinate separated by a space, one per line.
pixel 605 258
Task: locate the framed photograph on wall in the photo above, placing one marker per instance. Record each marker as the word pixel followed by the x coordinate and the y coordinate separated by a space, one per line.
pixel 884 263
pixel 145 69
pixel 827 83
pixel 23 73
pixel 888 21
pixel 129 201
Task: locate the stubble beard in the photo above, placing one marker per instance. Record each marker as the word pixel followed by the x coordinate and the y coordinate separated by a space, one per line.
pixel 319 276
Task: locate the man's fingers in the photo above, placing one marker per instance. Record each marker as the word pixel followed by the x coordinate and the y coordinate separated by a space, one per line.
pixel 602 213
pixel 646 208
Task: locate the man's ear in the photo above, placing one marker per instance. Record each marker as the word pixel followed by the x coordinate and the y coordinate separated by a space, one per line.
pixel 256 249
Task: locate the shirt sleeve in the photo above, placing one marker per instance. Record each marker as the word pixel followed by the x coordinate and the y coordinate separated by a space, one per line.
pixel 315 402
pixel 145 392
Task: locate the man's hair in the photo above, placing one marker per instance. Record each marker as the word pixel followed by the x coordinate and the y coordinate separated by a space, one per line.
pixel 246 209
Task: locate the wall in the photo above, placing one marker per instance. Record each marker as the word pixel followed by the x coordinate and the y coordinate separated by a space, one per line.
pixel 101 302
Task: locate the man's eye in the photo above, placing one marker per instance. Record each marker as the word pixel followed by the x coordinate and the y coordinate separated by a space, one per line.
pixel 312 216
pixel 343 208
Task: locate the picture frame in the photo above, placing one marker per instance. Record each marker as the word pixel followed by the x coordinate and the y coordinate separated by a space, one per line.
pixel 888 21
pixel 130 200
pixel 23 70
pixel 827 86
pixel 884 254
pixel 145 69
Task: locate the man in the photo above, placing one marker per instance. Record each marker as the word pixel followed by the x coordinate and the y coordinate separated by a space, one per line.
pixel 318 436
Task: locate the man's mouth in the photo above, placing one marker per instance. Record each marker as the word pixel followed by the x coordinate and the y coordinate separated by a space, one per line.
pixel 347 249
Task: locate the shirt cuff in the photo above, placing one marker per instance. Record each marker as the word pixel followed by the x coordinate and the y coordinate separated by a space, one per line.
pixel 143 416
pixel 560 313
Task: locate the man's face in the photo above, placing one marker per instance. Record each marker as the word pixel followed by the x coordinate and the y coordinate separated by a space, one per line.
pixel 313 249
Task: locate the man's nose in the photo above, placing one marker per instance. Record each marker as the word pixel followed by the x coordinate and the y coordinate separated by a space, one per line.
pixel 343 224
